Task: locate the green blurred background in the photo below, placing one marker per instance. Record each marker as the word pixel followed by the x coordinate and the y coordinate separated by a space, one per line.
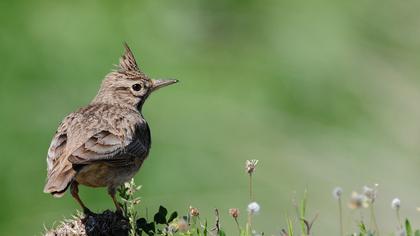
pixel 323 93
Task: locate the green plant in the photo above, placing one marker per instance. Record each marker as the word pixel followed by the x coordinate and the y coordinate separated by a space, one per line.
pixel 129 201
pixel 192 223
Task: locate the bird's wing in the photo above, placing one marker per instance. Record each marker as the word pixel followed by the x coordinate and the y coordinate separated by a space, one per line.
pixel 115 140
pixel 111 148
pixel 60 171
pixel 59 142
pixel 94 133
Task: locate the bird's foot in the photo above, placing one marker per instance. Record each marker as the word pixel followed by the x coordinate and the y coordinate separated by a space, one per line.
pixel 119 212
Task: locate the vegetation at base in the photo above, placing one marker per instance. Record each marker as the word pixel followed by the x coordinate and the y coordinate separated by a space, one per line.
pixel 192 222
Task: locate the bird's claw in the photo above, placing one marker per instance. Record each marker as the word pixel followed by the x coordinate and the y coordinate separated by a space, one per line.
pixel 119 212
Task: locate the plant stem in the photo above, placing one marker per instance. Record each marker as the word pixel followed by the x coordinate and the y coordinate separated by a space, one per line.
pixel 373 219
pixel 303 213
pixel 399 218
pixel 251 197
pixel 247 230
pixel 249 220
pixel 340 212
pixel 237 225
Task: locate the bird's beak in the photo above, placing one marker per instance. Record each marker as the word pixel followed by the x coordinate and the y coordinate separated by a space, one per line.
pixel 159 83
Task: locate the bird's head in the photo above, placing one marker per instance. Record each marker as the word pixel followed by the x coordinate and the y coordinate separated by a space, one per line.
pixel 128 85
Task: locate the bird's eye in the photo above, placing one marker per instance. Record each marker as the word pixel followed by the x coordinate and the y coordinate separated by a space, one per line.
pixel 136 87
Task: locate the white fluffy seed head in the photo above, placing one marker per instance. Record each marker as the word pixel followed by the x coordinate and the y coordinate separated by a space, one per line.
pixel 253 208
pixel 370 193
pixel 396 203
pixel 337 192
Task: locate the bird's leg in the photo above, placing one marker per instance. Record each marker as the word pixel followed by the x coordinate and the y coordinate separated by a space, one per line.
pixel 74 189
pixel 111 192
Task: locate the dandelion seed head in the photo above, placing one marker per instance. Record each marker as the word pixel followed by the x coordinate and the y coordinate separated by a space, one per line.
pixel 253 208
pixel 250 166
pixel 370 193
pixel 396 203
pixel 337 192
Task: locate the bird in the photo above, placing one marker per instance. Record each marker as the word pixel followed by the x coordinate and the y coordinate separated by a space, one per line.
pixel 105 143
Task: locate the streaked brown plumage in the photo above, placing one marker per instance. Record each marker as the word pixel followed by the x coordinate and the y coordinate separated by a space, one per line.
pixel 105 143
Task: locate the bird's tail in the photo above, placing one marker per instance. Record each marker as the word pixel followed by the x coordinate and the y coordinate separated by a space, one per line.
pixel 59 178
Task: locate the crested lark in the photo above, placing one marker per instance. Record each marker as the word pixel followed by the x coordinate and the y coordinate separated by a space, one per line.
pixel 105 143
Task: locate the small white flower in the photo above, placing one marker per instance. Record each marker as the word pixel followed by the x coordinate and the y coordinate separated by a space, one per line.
pixel 337 192
pixel 253 208
pixel 396 204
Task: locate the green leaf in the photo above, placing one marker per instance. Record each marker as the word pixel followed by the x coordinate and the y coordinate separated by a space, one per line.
pixel 205 228
pixel 143 226
pixel 141 222
pixel 222 233
pixel 150 228
pixel 160 216
pixel 362 228
pixel 172 216
pixel 163 211
pixel 408 230
pixel 290 226
pixel 417 233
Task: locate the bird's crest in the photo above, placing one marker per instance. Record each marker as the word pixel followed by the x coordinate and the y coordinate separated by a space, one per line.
pixel 127 61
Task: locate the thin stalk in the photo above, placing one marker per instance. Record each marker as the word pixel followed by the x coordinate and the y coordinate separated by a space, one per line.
pixel 399 218
pixel 373 219
pixel 251 197
pixel 194 221
pixel 303 212
pixel 249 220
pixel 340 212
pixel 248 225
pixel 237 225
